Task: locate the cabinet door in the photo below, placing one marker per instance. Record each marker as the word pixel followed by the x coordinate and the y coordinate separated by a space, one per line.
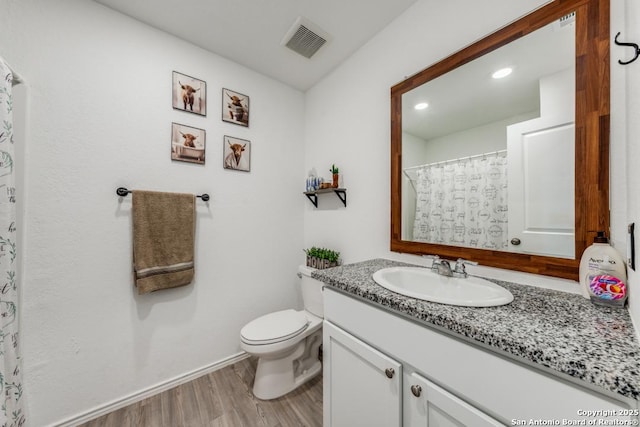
pixel 426 404
pixel 362 386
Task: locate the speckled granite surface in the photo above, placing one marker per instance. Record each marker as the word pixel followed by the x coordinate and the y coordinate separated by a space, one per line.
pixel 558 330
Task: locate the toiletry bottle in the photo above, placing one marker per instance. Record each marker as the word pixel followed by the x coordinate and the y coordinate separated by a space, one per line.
pixel 603 275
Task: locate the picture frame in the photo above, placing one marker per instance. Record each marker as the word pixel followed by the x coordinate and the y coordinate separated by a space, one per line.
pixel 236 154
pixel 188 144
pixel 235 107
pixel 189 94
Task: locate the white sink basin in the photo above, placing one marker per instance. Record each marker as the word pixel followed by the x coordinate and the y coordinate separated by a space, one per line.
pixel 422 283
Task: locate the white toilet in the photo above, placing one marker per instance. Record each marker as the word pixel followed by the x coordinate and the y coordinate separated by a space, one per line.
pixel 287 342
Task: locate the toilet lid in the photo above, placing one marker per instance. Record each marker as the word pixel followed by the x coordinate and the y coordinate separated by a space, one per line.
pixel 274 327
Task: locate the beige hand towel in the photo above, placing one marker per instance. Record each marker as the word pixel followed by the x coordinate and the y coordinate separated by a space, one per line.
pixel 163 240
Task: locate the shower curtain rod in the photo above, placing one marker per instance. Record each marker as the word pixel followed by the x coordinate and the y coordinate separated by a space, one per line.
pixel 459 159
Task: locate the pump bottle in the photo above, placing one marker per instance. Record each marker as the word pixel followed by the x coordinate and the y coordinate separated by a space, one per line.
pixel 603 275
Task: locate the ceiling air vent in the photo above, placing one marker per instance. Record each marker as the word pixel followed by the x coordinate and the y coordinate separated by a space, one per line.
pixel 305 37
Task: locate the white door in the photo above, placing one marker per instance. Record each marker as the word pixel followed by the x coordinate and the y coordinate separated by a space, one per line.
pixel 427 405
pixel 541 181
pixel 361 384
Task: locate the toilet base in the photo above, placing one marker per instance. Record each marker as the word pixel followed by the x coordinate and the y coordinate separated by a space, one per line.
pixel 277 377
pixel 272 388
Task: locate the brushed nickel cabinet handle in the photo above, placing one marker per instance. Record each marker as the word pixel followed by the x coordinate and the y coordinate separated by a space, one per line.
pixel 389 372
pixel 416 390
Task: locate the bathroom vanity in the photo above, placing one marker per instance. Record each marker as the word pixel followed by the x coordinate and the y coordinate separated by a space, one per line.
pixel 547 357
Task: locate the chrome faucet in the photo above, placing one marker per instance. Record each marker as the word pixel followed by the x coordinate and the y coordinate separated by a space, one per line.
pixel 459 270
pixel 440 266
pixel 443 267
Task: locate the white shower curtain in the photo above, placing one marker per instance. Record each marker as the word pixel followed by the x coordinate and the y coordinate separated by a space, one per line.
pixel 11 392
pixel 463 203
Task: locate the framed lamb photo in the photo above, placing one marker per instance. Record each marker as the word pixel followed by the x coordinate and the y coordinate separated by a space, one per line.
pixel 187 143
pixel 237 154
pixel 189 94
pixel 235 108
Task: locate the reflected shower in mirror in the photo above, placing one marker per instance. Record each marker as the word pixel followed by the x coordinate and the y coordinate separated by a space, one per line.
pixel 488 149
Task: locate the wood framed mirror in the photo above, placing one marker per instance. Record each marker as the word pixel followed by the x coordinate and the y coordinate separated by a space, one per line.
pixel 582 203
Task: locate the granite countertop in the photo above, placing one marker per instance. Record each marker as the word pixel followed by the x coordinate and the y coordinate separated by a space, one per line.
pixel 557 330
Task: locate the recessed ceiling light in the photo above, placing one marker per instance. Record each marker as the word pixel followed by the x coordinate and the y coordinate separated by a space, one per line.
pixel 421 106
pixel 504 72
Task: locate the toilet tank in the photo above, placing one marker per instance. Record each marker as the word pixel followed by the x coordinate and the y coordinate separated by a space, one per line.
pixel 311 291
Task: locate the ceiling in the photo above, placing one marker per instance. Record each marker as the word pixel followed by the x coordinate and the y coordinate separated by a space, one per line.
pixel 249 32
pixel 468 97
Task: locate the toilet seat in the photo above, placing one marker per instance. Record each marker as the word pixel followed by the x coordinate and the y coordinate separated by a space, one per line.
pixel 274 327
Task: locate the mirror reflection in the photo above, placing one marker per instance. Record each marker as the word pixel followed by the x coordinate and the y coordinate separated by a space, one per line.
pixel 488 149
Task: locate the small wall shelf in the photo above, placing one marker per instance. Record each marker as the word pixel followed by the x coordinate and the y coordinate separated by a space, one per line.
pixel 340 192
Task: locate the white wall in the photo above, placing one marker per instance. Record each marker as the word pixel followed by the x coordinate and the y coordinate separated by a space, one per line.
pixel 356 133
pixel 625 127
pixel 99 113
pixel 348 115
pixel 483 139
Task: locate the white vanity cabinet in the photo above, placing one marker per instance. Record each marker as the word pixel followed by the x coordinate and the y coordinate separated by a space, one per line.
pixel 365 385
pixel 461 384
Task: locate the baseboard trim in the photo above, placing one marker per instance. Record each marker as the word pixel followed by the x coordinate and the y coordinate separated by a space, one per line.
pixel 148 392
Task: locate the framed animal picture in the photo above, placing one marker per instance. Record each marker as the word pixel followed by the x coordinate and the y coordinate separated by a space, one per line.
pixel 189 94
pixel 237 154
pixel 235 107
pixel 187 143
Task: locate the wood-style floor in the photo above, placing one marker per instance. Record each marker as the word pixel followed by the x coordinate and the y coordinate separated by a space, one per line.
pixel 221 399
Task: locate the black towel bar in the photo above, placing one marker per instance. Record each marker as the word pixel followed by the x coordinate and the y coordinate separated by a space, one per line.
pixel 123 192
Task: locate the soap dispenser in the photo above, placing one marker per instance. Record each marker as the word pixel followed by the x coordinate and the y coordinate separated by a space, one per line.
pixel 603 275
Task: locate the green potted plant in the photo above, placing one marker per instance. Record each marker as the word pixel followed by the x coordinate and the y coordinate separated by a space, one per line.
pixel 322 258
pixel 336 175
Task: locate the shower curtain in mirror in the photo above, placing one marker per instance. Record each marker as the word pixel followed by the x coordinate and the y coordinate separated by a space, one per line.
pixel 463 203
pixel 11 396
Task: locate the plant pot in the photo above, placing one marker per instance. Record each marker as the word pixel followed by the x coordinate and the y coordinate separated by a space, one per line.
pixel 319 263
pixel 336 178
